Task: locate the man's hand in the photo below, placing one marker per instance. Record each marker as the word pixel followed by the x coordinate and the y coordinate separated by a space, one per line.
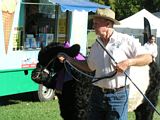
pixel 122 66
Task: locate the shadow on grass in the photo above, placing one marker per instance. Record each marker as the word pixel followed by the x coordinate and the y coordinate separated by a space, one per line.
pixel 17 98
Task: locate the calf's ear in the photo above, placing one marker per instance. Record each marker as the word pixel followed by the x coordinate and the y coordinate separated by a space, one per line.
pixel 73 51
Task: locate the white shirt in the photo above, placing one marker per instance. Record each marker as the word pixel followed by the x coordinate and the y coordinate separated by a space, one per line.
pixel 152 48
pixel 121 47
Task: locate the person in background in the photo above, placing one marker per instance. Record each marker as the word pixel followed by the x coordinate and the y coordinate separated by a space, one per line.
pixel 109 98
pixel 151 46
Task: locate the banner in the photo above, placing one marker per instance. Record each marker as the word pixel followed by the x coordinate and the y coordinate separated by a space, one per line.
pixel 147 30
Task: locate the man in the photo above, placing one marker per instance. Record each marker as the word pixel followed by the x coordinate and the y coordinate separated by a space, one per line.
pixel 109 99
pixel 152 46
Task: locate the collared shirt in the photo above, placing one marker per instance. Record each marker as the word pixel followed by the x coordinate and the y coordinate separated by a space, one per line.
pixel 120 47
pixel 152 48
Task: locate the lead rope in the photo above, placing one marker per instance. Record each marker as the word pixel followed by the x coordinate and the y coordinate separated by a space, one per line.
pixel 95 79
pixel 129 78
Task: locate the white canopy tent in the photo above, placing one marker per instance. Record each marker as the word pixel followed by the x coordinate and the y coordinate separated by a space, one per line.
pixel 157 14
pixel 136 21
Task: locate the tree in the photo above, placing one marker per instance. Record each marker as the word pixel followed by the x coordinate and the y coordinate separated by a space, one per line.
pixel 99 1
pixel 126 8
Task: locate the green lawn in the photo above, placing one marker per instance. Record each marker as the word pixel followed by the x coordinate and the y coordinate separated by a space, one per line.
pixel 20 107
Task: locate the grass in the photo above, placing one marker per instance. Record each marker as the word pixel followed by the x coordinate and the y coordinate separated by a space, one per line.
pixel 21 107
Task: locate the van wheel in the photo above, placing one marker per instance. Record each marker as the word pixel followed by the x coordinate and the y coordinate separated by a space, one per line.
pixel 45 94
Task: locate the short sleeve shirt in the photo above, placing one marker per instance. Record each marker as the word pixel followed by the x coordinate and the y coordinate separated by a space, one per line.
pixel 152 48
pixel 120 47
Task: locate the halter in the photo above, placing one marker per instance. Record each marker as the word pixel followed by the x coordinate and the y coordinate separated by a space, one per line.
pixel 42 74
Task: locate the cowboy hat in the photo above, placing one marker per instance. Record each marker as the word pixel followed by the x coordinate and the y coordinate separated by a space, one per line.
pixel 106 14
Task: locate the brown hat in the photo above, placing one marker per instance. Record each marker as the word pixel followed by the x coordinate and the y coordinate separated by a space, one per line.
pixel 106 14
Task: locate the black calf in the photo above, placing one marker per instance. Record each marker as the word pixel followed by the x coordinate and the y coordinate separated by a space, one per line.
pixel 145 111
pixel 74 98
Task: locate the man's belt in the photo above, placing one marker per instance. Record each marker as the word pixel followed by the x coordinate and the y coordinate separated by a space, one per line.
pixel 108 90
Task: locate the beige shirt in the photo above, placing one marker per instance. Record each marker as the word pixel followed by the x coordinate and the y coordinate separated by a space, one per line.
pixel 121 47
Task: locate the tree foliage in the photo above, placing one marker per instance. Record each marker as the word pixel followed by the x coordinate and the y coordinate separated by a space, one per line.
pixel 126 8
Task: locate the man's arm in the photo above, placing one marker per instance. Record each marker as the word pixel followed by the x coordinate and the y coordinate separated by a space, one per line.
pixel 139 60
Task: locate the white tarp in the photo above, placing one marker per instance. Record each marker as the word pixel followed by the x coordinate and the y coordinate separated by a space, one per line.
pixel 157 14
pixel 136 21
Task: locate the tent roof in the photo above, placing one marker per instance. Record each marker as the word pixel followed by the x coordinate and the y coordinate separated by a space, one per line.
pixel 78 5
pixel 157 14
pixel 136 21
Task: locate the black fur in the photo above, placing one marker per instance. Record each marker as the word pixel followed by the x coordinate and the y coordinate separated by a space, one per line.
pixel 47 58
pixel 51 51
pixel 74 99
pixel 145 111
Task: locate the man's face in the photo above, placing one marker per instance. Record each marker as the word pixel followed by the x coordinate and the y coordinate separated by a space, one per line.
pixel 102 26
